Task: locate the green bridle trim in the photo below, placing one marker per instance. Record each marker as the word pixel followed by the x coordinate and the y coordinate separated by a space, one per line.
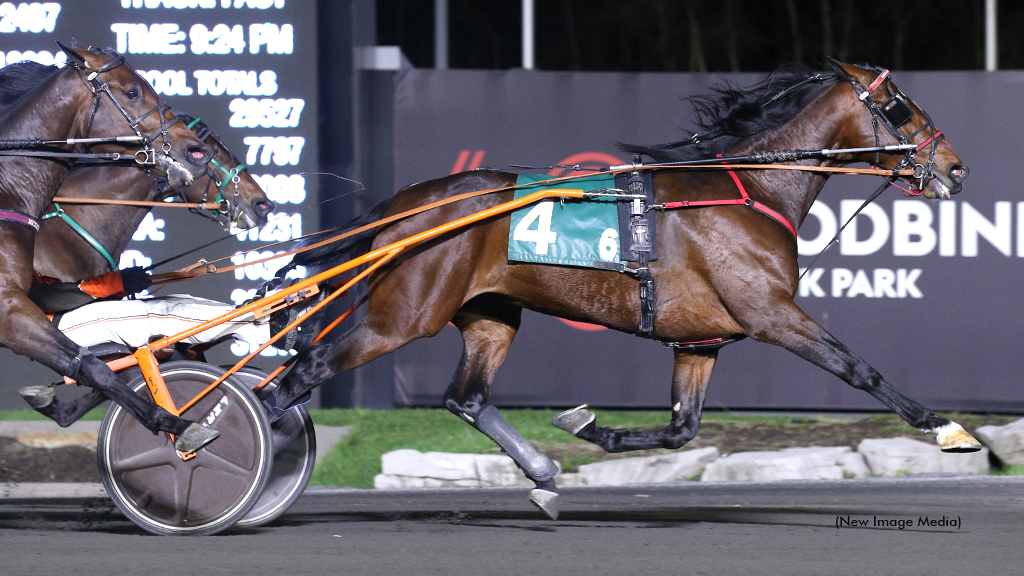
pixel 193 123
pixel 59 213
pixel 229 176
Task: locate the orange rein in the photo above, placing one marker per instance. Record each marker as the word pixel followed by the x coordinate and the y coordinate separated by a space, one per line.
pixel 208 267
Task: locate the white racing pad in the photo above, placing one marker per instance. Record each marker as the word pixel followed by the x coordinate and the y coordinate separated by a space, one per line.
pixel 134 322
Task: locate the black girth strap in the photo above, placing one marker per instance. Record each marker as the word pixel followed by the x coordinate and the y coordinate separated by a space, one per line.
pixel 637 241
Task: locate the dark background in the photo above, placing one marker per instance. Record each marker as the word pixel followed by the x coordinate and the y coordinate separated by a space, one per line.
pixel 707 35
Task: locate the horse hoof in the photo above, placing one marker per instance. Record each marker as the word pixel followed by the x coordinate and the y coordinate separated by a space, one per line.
pixel 546 500
pixel 38 397
pixel 194 437
pixel 954 439
pixel 574 420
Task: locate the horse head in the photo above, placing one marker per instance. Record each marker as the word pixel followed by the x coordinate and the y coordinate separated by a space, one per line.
pixel 122 103
pixel 226 181
pixel 886 116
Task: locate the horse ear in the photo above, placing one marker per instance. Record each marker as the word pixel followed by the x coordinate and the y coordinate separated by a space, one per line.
pixel 72 53
pixel 838 67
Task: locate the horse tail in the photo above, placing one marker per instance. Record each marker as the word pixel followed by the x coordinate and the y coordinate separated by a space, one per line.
pixel 325 257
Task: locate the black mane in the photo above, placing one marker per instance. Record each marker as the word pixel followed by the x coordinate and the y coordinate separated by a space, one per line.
pixel 730 114
pixel 18 79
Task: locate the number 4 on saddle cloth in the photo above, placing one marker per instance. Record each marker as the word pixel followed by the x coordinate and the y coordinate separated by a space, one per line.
pixel 583 233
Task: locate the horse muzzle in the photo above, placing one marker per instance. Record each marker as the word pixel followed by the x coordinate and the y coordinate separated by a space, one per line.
pixel 943 186
pixel 177 175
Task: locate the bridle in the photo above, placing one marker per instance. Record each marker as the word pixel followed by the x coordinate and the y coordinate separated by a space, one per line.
pixel 891 115
pixel 148 155
pixel 231 206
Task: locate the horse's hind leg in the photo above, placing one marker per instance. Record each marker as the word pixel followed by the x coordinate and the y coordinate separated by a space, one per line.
pixel 690 377
pixel 797 332
pixel 487 332
pixel 63 413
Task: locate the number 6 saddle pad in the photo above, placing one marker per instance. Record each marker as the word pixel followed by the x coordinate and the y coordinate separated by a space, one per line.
pixel 573 233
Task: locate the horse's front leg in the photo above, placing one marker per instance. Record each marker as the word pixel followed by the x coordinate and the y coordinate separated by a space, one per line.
pixel 690 377
pixel 791 328
pixel 26 330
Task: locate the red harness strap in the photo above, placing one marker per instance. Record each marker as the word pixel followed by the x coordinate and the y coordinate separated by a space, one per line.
pixel 744 200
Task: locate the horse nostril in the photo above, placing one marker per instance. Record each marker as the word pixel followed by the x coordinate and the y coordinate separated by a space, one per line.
pixel 264 207
pixel 958 173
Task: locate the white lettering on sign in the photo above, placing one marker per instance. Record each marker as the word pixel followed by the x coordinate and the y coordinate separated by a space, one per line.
pixel 542 237
pixel 149 229
pixel 915 230
pixel 222 39
pixel 877 283
pixel 152 39
pixel 261 270
pixel 266 112
pixel 44 57
pixel 132 258
pixel 283 188
pixel 257 4
pixel 849 244
pixel 280 226
pixel 278 40
pixel 912 233
pixel 189 4
pixel 34 17
pixel 282 150
pixel 997 232
pixel 827 218
pixel 168 82
pixel 169 4
pixel 236 82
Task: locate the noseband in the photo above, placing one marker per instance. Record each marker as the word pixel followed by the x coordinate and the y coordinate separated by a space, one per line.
pixel 893 114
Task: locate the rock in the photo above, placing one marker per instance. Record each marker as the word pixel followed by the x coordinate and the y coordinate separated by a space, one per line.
pixel 415 469
pixel 903 457
pixel 1006 442
pixel 830 463
pixel 58 439
pixel 662 468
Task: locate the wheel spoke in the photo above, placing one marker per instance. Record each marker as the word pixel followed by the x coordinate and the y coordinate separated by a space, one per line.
pixel 161 456
pixel 217 462
pixel 182 492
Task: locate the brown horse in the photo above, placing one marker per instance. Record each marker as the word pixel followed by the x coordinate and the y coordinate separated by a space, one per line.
pixel 64 252
pixel 721 272
pixel 95 95
pixel 61 251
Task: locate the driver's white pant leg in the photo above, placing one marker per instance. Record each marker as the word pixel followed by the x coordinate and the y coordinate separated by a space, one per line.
pixel 134 322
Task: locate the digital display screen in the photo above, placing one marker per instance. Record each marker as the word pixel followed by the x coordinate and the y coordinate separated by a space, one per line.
pixel 248 68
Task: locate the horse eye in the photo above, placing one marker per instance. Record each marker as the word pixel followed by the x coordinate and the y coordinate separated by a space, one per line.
pixel 132 94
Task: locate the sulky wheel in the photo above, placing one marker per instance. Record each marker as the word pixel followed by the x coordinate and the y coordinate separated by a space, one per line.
pixel 294 455
pixel 165 494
